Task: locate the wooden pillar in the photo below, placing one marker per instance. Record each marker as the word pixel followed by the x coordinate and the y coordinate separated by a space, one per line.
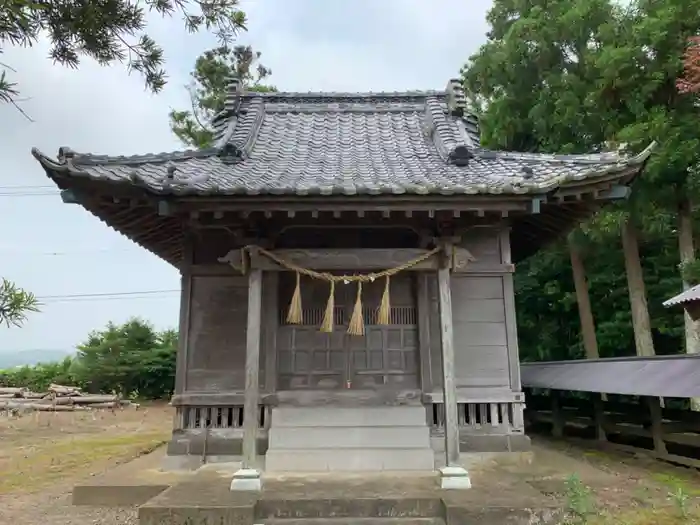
pixel 448 366
pixel 599 416
pixel 557 415
pixel 248 478
pixel 454 476
pixel 657 432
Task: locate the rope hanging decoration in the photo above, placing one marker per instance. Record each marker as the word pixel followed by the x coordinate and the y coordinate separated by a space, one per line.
pixel 356 326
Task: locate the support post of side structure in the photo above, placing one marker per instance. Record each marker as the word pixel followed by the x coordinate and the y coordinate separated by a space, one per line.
pixel 453 475
pixel 248 477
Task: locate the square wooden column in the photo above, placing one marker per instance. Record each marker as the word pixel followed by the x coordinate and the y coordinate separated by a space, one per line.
pixel 453 475
pixel 248 477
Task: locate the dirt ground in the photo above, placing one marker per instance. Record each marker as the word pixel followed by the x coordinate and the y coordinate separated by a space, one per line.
pixel 42 456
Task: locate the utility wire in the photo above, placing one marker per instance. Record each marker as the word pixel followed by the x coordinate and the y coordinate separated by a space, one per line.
pixel 62 253
pixel 108 296
pixel 24 187
pixel 106 299
pixel 28 194
pixel 105 294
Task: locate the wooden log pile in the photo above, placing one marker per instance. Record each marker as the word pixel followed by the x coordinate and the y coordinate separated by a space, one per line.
pixel 58 398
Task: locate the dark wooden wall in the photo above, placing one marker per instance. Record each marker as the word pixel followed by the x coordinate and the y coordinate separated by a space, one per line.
pixel 483 313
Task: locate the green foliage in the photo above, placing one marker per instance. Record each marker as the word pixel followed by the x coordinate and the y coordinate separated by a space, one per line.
pixel 212 73
pixel 15 303
pixel 579 499
pixel 108 31
pixel 548 323
pixel 578 76
pixel 130 359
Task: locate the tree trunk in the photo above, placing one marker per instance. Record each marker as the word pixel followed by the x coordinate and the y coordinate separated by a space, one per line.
pixel 583 300
pixel 590 344
pixel 641 325
pixel 686 250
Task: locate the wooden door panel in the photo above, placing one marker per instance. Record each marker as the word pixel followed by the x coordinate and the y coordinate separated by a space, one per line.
pixel 385 357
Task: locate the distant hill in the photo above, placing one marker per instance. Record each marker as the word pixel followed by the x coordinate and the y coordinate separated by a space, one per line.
pixel 32 357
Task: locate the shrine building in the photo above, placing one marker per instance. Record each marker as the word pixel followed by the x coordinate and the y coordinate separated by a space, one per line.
pixel 347 270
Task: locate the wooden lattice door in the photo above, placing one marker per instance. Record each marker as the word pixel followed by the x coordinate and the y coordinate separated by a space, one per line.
pixel 386 357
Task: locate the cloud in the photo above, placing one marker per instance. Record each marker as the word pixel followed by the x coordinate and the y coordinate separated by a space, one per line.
pixel 310 45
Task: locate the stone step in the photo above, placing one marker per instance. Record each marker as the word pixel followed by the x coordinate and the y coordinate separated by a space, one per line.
pixel 373 437
pixel 336 507
pixel 355 521
pixel 328 416
pixel 349 459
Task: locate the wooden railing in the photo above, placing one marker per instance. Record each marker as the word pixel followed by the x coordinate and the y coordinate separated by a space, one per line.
pixel 218 417
pixel 480 417
pixel 623 422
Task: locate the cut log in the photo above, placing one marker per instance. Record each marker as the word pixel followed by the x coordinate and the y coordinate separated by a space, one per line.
pixel 42 407
pixel 63 390
pixel 18 400
pixel 63 401
pixel 85 400
pixel 12 390
pixel 7 396
pixel 33 395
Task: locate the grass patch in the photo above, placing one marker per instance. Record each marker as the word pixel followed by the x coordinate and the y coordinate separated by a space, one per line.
pixel 657 516
pixel 676 481
pixel 32 467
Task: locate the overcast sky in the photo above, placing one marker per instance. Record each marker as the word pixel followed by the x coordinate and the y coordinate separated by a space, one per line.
pixel 56 249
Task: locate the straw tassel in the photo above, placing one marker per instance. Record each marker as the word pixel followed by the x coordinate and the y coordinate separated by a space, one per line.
pixel 357 322
pixel 327 325
pixel 294 315
pixel 383 315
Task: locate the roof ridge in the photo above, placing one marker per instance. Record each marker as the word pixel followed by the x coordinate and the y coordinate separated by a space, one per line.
pixel 565 158
pixel 342 94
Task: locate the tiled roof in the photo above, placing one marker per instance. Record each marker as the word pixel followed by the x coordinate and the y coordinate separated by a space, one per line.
pixel 347 144
pixel 690 295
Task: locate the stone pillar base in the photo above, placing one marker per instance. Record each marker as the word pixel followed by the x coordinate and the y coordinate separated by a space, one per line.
pixel 454 478
pixel 246 479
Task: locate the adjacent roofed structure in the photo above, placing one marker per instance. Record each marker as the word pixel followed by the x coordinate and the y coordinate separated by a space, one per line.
pixel 338 146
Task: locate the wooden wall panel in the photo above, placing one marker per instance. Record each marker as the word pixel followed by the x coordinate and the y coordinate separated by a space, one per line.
pixel 479 317
pixel 217 334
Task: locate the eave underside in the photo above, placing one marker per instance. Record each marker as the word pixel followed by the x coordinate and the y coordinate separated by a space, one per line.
pixel 161 226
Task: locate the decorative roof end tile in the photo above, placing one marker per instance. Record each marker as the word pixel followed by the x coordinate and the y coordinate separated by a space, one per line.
pixel 460 156
pixel 456 100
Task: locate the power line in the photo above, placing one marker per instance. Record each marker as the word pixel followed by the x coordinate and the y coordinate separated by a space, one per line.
pixel 105 294
pixel 63 253
pixel 29 194
pixel 31 187
pixel 106 299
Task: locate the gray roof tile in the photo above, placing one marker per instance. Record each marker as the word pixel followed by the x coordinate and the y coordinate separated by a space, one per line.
pixel 343 143
pixel 692 294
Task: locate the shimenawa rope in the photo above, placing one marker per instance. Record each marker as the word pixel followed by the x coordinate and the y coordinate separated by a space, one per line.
pixel 356 325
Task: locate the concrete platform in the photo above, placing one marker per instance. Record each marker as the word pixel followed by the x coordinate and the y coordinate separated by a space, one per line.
pixel 132 483
pixel 331 499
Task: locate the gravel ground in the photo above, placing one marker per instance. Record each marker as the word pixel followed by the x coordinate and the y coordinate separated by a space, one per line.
pixel 54 452
pixel 56 509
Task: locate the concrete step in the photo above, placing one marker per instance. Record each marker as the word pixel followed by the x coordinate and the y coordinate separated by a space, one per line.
pixel 349 459
pixel 356 521
pixel 329 416
pixel 378 507
pixel 373 437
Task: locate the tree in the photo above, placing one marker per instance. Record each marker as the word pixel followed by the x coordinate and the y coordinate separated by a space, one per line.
pixel 108 31
pixel 656 47
pixel 212 73
pixel 535 83
pixel 128 359
pixel 15 303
